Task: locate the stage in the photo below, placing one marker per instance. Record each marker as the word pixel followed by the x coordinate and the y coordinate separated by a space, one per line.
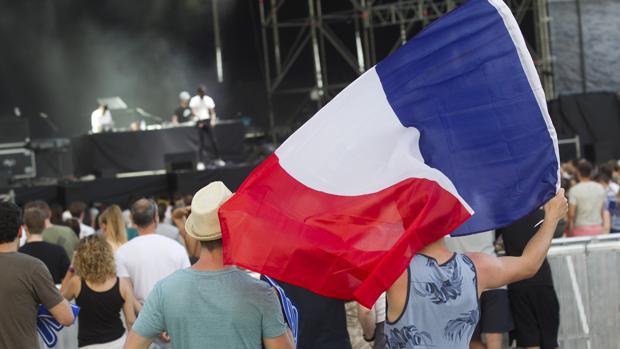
pixel 119 190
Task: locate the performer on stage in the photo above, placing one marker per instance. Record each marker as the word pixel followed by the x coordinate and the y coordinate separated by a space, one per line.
pixel 183 113
pixel 203 106
pixel 101 119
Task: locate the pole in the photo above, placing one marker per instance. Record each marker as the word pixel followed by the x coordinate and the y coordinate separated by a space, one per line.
pixel 365 24
pixel 318 74
pixel 218 42
pixel 542 40
pixel 358 45
pixel 582 58
pixel 263 25
pixel 276 36
pixel 319 12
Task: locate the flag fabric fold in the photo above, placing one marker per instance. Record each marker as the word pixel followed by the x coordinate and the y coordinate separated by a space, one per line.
pixel 450 134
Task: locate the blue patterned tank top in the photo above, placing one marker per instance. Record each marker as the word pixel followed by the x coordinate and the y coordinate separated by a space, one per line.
pixel 441 310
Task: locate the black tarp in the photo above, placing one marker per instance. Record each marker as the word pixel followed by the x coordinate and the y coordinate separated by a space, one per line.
pixel 595 118
pixel 119 152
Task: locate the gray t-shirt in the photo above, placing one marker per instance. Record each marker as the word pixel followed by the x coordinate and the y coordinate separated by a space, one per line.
pixel 221 309
pixel 589 199
pixel 170 231
pixel 26 283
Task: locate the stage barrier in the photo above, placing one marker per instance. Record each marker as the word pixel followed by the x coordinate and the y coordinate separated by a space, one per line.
pixel 586 275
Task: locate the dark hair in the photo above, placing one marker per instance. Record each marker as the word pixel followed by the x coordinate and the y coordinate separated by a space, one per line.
pixel 143 212
pixel 56 214
pixel 74 224
pixel 10 221
pixel 606 170
pixel 161 211
pixel 211 245
pixel 34 219
pixel 187 199
pixel 40 204
pixel 77 209
pixel 602 177
pixel 584 168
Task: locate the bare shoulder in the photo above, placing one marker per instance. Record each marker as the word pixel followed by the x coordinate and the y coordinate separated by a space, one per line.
pixel 482 261
pixel 485 266
pixel 75 285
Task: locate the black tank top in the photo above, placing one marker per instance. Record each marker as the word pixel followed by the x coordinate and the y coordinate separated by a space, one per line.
pixel 100 318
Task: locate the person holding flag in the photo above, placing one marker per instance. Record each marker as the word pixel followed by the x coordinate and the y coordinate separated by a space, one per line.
pixel 448 135
pixel 435 302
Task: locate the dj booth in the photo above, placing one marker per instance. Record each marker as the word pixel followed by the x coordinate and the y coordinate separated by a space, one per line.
pixel 150 150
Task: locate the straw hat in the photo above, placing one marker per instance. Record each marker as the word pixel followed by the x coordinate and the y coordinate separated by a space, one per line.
pixel 203 223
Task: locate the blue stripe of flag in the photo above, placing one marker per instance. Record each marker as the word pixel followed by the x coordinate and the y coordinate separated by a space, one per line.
pixel 462 85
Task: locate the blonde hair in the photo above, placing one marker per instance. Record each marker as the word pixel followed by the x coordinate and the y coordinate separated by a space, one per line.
pixel 94 259
pixel 115 230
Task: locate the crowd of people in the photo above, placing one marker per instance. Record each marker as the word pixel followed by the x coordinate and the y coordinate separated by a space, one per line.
pixel 153 275
pixel 129 272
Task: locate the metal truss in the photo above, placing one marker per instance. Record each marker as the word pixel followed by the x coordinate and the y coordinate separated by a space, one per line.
pixel 315 30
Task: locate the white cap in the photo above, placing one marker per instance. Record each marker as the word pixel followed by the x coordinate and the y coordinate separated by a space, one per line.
pixel 184 96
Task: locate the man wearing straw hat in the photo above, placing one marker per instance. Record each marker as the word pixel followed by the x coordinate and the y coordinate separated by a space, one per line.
pixel 211 305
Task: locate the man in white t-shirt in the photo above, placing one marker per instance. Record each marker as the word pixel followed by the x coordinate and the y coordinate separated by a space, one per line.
pixel 203 106
pixel 149 257
pixel 77 210
pixel 101 119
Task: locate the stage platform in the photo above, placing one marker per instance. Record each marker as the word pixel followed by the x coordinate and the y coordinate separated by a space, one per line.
pixel 120 189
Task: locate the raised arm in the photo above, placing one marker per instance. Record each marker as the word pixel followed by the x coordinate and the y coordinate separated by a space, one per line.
pixel 495 272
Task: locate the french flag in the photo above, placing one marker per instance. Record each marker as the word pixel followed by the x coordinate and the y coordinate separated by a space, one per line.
pixel 450 134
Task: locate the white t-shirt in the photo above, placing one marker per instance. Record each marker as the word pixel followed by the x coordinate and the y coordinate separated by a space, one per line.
pixel 85 230
pixel 147 259
pixel 201 106
pixel 379 308
pixel 100 120
pixel 480 242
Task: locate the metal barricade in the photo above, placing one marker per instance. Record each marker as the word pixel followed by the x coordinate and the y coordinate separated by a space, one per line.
pixel 586 275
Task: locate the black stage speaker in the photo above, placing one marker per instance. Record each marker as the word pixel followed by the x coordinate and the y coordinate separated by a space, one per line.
pixel 181 162
pixel 54 157
pixel 229 137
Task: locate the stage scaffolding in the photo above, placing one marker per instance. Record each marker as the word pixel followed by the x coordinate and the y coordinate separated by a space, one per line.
pixel 315 30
